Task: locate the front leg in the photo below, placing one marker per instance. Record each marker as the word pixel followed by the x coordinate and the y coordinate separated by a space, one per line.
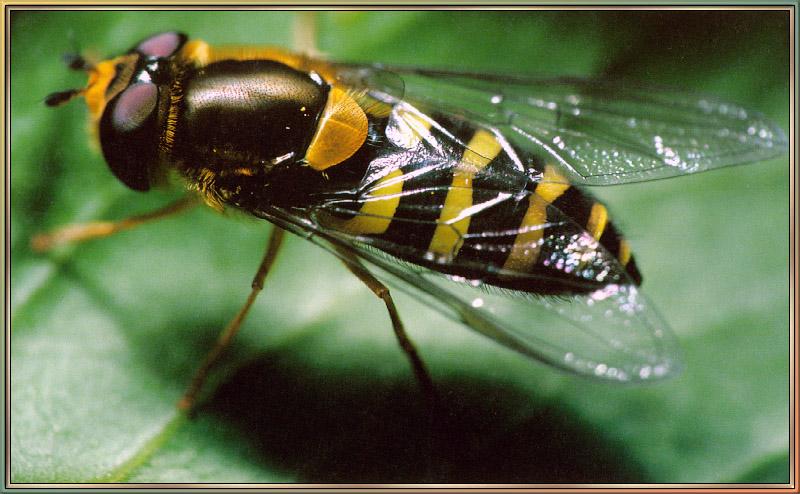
pixel 97 229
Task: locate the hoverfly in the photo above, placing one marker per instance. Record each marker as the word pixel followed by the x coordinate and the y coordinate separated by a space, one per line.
pixel 461 187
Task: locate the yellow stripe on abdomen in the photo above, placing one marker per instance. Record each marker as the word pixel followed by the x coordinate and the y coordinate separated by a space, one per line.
pixel 598 218
pixel 624 252
pixel 526 247
pixel 377 212
pixel 447 238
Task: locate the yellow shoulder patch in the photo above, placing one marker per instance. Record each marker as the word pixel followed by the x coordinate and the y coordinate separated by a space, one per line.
pixel 342 130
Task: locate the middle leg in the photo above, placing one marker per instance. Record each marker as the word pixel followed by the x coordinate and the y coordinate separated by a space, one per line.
pixel 382 292
pixel 187 402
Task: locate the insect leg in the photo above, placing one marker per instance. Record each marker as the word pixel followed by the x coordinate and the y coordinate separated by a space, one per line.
pixel 96 229
pixel 382 292
pixel 227 334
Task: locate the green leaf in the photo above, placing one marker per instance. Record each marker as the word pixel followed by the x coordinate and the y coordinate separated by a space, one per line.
pixel 106 335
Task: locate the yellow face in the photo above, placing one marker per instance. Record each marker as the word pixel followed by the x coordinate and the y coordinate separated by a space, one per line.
pixel 106 80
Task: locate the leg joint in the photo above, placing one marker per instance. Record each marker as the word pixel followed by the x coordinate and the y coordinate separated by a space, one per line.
pixel 383 292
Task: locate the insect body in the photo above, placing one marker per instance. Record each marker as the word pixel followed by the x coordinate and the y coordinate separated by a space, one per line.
pixel 464 187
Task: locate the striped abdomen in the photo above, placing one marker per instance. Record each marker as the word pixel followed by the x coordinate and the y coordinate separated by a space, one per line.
pixel 478 211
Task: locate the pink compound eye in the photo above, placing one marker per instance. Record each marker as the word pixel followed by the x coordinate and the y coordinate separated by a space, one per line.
pixel 134 106
pixel 161 45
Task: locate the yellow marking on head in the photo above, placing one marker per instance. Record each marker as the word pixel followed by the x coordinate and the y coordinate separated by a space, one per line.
pixel 525 251
pixel 341 131
pixel 598 218
pixel 100 76
pixel 377 212
pixel 447 238
pixel 624 252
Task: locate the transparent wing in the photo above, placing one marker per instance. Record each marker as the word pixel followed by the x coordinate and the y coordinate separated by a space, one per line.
pixel 610 332
pixel 598 132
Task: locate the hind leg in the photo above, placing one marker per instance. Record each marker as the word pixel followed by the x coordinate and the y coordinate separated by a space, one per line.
pixel 382 292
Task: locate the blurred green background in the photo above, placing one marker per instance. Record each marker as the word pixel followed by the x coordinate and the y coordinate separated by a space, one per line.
pixel 107 334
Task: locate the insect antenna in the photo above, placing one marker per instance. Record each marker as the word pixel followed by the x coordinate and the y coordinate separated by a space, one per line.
pixel 75 61
pixel 61 97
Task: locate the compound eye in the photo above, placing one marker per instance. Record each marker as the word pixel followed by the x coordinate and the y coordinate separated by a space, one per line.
pixel 134 106
pixel 129 135
pixel 161 45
